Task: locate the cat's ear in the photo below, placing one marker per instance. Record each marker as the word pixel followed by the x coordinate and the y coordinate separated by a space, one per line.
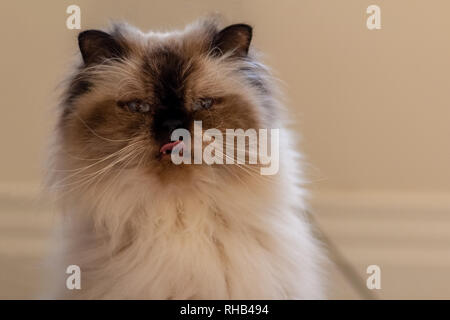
pixel 96 46
pixel 235 38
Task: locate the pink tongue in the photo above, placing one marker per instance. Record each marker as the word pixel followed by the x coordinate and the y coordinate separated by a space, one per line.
pixel 169 146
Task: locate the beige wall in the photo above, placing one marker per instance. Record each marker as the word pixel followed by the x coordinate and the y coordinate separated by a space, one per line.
pixel 373 106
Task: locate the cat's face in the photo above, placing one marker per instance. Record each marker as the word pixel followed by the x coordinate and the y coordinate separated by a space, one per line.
pixel 134 89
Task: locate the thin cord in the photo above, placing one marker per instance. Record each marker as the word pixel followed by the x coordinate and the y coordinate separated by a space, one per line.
pixel 345 267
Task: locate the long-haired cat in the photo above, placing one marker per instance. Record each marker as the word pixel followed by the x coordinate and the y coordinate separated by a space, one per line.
pixel 142 227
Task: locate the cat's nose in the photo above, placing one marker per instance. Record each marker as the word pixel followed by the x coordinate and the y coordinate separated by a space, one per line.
pixel 172 124
pixel 168 120
pixel 163 128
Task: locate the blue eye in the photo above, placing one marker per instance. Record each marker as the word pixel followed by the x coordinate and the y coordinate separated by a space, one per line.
pixel 203 103
pixel 134 106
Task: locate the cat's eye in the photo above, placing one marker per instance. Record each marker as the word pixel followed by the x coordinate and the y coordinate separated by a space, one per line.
pixel 203 103
pixel 134 106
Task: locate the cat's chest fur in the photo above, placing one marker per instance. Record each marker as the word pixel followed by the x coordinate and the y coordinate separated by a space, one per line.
pixel 227 242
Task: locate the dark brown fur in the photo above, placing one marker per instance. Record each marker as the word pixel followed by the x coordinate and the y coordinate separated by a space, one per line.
pixel 168 74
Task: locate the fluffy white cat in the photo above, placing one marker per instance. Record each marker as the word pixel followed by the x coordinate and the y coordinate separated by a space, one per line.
pixel 141 227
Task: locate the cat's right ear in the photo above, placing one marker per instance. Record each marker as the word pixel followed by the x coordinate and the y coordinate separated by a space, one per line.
pixel 96 46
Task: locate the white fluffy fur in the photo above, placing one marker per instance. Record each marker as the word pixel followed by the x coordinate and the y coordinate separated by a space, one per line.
pixel 266 251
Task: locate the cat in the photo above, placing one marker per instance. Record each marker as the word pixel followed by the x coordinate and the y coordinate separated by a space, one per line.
pixel 141 227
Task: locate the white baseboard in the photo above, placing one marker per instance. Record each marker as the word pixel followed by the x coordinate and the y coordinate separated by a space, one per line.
pixel 392 228
pixel 407 234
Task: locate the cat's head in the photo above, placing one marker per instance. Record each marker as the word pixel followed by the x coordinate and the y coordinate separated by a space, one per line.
pixel 133 89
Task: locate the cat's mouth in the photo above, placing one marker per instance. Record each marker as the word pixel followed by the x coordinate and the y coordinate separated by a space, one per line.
pixel 174 146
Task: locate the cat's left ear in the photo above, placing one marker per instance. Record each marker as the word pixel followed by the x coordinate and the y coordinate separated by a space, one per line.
pixel 235 38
